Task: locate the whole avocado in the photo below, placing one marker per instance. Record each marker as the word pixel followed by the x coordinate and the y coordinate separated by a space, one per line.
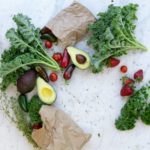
pixel 27 82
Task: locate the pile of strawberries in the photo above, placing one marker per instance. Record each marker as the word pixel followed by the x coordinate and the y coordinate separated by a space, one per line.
pixel 128 83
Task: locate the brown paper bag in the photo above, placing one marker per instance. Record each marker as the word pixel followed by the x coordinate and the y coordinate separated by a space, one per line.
pixel 59 132
pixel 70 25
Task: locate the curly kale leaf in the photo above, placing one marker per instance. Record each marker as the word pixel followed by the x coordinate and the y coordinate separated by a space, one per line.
pixel 7 56
pixel 145 115
pixel 112 35
pixel 132 110
pixel 11 78
pixel 18 42
pixel 26 50
pixel 22 61
pixel 125 122
pixel 29 33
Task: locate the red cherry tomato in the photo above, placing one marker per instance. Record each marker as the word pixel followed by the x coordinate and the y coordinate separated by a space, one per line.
pixel 48 44
pixel 57 57
pixel 123 69
pixel 53 77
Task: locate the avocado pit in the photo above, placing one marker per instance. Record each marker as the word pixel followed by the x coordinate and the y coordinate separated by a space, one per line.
pixel 80 59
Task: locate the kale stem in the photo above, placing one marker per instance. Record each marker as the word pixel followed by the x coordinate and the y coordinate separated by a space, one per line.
pixel 46 58
pixel 134 43
pixel 115 53
pixel 26 64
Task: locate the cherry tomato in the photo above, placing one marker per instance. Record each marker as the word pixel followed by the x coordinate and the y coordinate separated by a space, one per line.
pixel 53 77
pixel 123 69
pixel 57 57
pixel 48 44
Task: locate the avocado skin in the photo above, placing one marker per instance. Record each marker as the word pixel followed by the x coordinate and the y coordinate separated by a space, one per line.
pixel 27 82
pixel 75 53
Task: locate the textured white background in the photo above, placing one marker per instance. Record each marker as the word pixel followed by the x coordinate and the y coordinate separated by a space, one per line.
pixel 92 100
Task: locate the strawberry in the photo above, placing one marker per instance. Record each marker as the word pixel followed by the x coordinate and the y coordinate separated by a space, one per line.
pixel 126 80
pixel 113 62
pixel 138 76
pixel 126 90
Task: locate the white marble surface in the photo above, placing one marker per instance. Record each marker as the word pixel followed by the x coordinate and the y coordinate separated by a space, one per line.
pixel 93 101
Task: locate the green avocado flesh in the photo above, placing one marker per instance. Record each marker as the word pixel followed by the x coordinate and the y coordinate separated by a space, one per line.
pixel 73 52
pixel 46 92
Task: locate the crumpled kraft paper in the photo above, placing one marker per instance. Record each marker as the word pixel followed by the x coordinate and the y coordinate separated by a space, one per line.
pixel 59 132
pixel 70 25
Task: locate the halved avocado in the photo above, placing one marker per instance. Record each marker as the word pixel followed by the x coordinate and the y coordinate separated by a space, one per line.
pixel 80 58
pixel 46 92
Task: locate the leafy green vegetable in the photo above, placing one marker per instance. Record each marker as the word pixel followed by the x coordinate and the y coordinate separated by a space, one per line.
pixel 12 110
pixel 22 121
pixel 125 122
pixel 26 51
pixel 34 108
pixel 113 35
pixel 145 115
pixel 133 108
